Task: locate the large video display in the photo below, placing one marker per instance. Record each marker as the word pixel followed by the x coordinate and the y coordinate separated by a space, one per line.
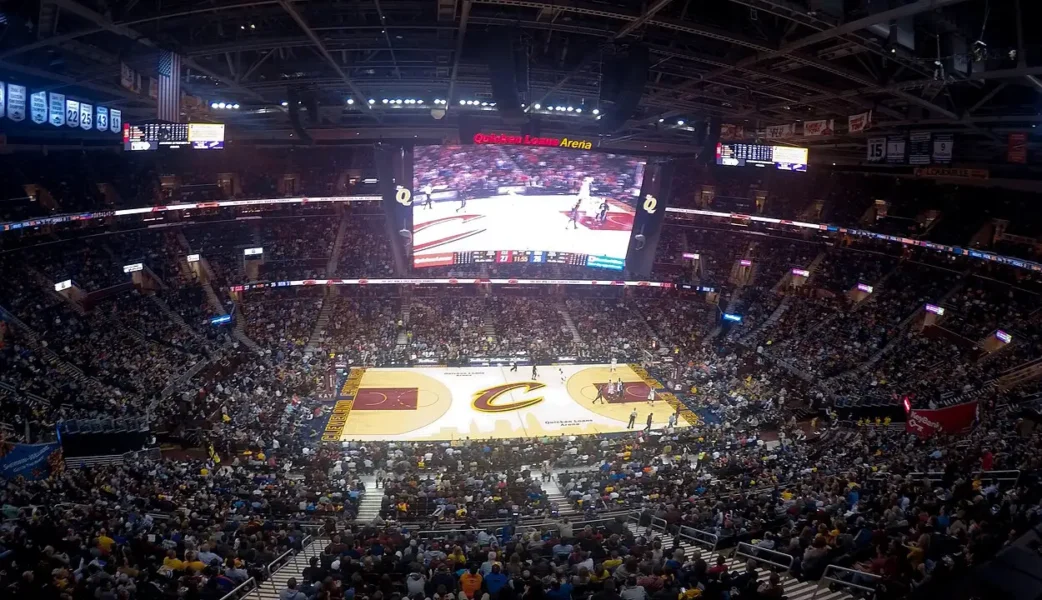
pixel 509 204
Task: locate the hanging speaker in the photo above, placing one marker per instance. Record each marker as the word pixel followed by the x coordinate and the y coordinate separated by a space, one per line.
pixel 628 78
pixel 293 100
pixel 503 77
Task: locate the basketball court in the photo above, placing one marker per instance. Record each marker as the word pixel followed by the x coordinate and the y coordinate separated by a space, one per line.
pixel 439 403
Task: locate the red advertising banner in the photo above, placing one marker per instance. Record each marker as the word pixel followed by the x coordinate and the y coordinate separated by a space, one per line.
pixel 953 419
pixel 1017 148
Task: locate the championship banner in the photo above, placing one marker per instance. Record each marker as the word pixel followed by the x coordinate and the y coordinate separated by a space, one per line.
pixel 876 149
pixel 895 149
pixel 31 461
pixel 126 77
pixel 72 113
pixel 919 148
pixel 781 131
pixel 115 120
pixel 38 107
pixel 3 99
pixel 950 173
pixel 859 122
pixel 942 148
pixel 15 102
pixel 1016 148
pixel 819 128
pixel 102 119
pixel 57 109
pixel 730 131
pixel 86 116
pixel 954 419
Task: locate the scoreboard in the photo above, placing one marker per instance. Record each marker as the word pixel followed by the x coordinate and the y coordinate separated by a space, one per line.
pixel 535 257
pixel 785 158
pixel 152 136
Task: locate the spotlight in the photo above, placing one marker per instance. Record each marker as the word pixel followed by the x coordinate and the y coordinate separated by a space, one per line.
pixel 596 111
pixel 578 110
pixel 598 117
pixel 462 102
pixel 372 101
pixel 571 109
pixel 385 100
pixel 350 100
pixel 661 120
pixel 235 106
pixel 284 103
pixel 252 26
pixel 214 104
pixel 484 104
pixel 398 101
pixel 221 105
pixel 536 106
pixel 680 123
pixel 419 102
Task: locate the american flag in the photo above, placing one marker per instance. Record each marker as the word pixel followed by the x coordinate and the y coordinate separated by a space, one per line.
pixel 169 103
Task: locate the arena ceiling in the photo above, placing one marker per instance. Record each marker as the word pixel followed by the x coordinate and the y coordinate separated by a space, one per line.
pixel 968 67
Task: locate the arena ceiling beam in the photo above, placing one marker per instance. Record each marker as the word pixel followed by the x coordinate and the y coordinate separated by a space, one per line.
pixel 457 53
pixel 292 12
pixel 595 53
pixel 126 31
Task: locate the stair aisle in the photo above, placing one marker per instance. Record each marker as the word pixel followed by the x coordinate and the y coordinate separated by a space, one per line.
pixel 794 589
pixel 293 568
pixel 370 505
pixel 318 332
pixel 555 495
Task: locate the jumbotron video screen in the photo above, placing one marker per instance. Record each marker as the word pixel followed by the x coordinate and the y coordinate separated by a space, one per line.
pixel 516 204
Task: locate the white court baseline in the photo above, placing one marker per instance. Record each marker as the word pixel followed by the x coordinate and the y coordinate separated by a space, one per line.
pixel 508 222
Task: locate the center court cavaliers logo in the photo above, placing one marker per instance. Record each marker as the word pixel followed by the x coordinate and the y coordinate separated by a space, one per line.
pixel 489 399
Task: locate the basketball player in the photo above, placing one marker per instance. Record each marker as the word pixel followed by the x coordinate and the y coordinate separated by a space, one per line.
pixel 600 395
pixel 573 216
pixel 428 201
pixel 648 426
pixel 561 372
pixel 462 200
pixel 535 372
pixel 633 419
pixel 513 367
pixel 614 364
pixel 602 216
pixel 651 397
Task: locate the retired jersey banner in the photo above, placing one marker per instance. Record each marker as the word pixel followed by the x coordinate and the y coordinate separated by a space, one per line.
pixel 919 148
pixel 56 112
pixel 38 107
pixel 3 99
pixel 876 149
pixel 86 116
pixel 954 419
pixel 102 119
pixel 819 128
pixel 115 120
pixel 15 102
pixel 1017 148
pixel 895 149
pixel 859 122
pixel 72 113
pixel 942 148
pixel 781 131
